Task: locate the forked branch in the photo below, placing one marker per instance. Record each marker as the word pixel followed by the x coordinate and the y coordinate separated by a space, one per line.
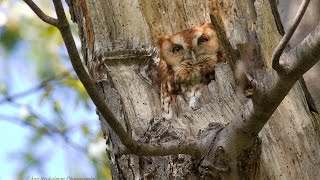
pixel 287 36
pixel 132 146
pixel 192 147
pixel 41 14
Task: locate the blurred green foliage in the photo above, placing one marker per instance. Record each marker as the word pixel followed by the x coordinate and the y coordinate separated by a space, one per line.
pixel 55 88
pixel 9 37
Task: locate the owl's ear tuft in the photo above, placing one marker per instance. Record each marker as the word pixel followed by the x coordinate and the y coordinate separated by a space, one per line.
pixel 161 40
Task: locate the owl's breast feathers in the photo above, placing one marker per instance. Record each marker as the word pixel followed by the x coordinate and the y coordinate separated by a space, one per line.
pixel 187 75
pixel 195 72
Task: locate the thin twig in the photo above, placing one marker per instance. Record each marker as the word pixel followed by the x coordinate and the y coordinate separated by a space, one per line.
pixel 266 106
pixel 50 128
pixel 285 39
pixel 132 145
pixel 49 132
pixel 34 89
pixel 276 15
pixel 41 14
pixel 33 113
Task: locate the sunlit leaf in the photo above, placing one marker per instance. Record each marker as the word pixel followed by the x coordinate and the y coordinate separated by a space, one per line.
pixel 41 46
pixel 99 134
pixel 102 170
pixel 32 119
pixel 41 132
pixel 30 158
pixel 48 31
pixel 74 83
pixel 107 173
pixel 48 90
pixel 21 174
pixel 57 107
pixel 3 89
pixel 85 129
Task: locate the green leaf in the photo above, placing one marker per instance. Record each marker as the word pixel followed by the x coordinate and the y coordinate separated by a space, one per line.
pixel 3 89
pixel 22 174
pixel 9 37
pixel 85 129
pixel 32 119
pixel 30 158
pixel 41 132
pixel 75 84
pixel 57 107
pixel 46 93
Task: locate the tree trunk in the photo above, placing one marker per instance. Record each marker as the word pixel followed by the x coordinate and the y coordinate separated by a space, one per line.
pixel 118 47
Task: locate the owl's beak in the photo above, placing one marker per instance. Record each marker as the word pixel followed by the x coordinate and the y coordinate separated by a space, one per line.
pixel 193 55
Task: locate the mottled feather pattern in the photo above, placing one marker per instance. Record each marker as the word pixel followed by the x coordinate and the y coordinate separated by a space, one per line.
pixel 187 61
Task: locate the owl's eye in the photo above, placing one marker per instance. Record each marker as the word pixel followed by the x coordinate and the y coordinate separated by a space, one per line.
pixel 202 39
pixel 176 49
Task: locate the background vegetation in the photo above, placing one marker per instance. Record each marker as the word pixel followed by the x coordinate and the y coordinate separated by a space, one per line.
pixel 49 127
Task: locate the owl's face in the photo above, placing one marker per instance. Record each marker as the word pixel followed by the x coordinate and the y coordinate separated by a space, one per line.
pixel 187 62
pixel 189 45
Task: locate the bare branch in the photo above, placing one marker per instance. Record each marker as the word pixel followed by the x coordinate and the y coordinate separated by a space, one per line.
pixel 300 59
pixel 285 39
pixel 41 14
pixel 245 127
pixel 240 132
pixel 132 145
pixel 189 147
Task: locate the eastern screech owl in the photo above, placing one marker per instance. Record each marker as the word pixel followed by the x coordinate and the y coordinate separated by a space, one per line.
pixel 187 61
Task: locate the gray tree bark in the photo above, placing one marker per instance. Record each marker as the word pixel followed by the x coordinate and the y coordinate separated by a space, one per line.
pixel 287 10
pixel 118 47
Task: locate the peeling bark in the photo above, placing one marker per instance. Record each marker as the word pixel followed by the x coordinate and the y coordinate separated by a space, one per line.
pixel 117 45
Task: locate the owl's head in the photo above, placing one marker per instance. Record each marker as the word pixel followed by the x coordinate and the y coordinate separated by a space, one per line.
pixel 189 45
